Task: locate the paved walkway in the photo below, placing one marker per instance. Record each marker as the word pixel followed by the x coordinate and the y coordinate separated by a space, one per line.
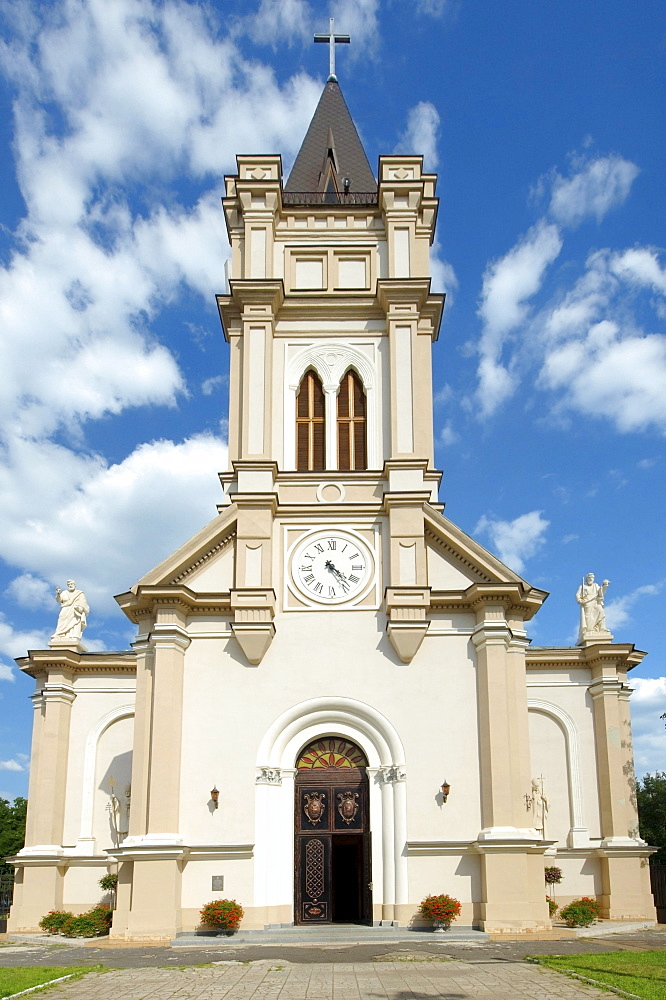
pixel 273 980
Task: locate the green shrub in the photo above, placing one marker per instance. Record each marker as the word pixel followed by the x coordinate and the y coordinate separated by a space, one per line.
pixel 109 882
pixel 94 923
pixel 55 921
pixel 581 912
pixel 223 913
pixel 552 906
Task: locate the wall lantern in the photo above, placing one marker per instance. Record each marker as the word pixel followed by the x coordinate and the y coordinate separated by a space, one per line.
pixel 446 788
pixel 215 796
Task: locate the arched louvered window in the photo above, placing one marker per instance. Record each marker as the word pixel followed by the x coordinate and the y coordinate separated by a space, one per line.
pixel 352 448
pixel 310 425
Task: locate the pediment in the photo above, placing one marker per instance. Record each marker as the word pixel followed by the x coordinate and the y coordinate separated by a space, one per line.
pixel 456 560
pixel 205 563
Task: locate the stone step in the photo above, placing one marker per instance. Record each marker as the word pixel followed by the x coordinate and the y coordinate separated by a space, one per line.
pixel 328 934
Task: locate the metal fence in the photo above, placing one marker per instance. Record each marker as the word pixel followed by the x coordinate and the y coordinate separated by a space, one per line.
pixel 331 198
pixel 658 882
pixel 6 893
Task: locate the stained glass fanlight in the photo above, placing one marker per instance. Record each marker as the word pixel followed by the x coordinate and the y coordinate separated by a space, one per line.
pixel 331 751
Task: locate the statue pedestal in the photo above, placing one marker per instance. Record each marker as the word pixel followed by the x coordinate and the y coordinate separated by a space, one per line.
pixel 62 642
pixel 589 638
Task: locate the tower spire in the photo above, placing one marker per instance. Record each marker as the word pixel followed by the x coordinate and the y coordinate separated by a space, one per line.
pixel 331 39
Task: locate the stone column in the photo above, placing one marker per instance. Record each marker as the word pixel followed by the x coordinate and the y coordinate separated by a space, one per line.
pixel 402 909
pixel 388 847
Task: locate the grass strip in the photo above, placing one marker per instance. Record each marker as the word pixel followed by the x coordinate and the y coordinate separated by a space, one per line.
pixel 637 973
pixel 18 979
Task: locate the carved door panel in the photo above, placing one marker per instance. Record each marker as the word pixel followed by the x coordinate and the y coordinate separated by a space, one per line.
pixel 314 882
pixel 332 852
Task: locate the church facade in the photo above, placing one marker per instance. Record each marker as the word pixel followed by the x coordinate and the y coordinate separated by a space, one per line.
pixel 332 708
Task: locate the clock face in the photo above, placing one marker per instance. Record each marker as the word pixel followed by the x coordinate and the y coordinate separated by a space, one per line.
pixel 331 567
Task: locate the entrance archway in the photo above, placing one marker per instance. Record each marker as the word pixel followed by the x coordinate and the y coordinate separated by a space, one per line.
pixel 332 855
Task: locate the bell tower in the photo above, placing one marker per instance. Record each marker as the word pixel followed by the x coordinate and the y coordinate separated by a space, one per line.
pixel 330 321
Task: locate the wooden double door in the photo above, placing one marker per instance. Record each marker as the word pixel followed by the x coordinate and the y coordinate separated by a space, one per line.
pixel 332 850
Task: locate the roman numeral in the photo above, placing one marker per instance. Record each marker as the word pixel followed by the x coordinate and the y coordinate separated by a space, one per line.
pixel 331 543
pixel 306 569
pixel 359 569
pixel 318 547
pixel 309 578
pixel 331 591
pixel 318 588
pixel 352 578
pixel 355 555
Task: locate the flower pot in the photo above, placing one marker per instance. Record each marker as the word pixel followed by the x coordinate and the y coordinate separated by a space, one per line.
pixel 439 926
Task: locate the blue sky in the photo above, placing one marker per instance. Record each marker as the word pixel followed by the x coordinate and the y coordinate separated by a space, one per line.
pixel 545 125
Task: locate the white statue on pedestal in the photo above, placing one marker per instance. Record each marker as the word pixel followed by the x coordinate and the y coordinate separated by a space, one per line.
pixel 539 807
pixel 74 612
pixel 590 596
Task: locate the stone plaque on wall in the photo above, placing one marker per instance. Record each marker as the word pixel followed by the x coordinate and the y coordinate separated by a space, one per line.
pixel 218 883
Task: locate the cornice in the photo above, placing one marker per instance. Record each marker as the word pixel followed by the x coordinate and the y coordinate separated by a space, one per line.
pixel 514 597
pixel 214 550
pixel 148 599
pixel 596 654
pixel 71 663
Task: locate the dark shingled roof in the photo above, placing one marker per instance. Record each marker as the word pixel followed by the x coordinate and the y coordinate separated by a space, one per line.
pixel 331 127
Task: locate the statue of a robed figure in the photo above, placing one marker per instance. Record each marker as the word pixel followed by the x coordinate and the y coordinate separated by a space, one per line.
pixel 590 596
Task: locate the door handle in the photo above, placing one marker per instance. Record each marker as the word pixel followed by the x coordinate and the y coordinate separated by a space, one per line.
pixel 370 886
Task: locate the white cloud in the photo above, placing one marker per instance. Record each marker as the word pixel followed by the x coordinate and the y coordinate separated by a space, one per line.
pixel 31 592
pixel 209 385
pixel 589 349
pixel 285 21
pixel 136 93
pixel 104 524
pixel 515 541
pixel 11 765
pixel 421 134
pixel 597 185
pixel 447 435
pixel 435 8
pixel 357 18
pixel 508 285
pixel 606 374
pixel 618 610
pixel 648 702
pixel 442 275
pixel 14 642
pixel 510 282
pixel 6 672
pixel 640 266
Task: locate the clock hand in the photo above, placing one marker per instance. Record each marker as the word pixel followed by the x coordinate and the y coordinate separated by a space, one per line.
pixel 336 572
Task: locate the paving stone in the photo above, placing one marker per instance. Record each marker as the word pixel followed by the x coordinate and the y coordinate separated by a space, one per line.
pixel 363 981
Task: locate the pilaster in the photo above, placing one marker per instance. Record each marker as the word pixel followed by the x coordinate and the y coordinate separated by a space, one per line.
pixel 47 793
pixel 409 207
pixel 412 323
pixel 169 641
pixel 612 734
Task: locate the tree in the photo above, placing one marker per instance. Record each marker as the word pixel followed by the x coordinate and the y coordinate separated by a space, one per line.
pixel 12 830
pixel 651 795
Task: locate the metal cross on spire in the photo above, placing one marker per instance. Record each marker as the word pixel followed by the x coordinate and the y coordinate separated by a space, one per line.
pixel 331 40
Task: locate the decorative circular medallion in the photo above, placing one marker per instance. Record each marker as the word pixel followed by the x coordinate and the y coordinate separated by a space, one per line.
pixel 331 567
